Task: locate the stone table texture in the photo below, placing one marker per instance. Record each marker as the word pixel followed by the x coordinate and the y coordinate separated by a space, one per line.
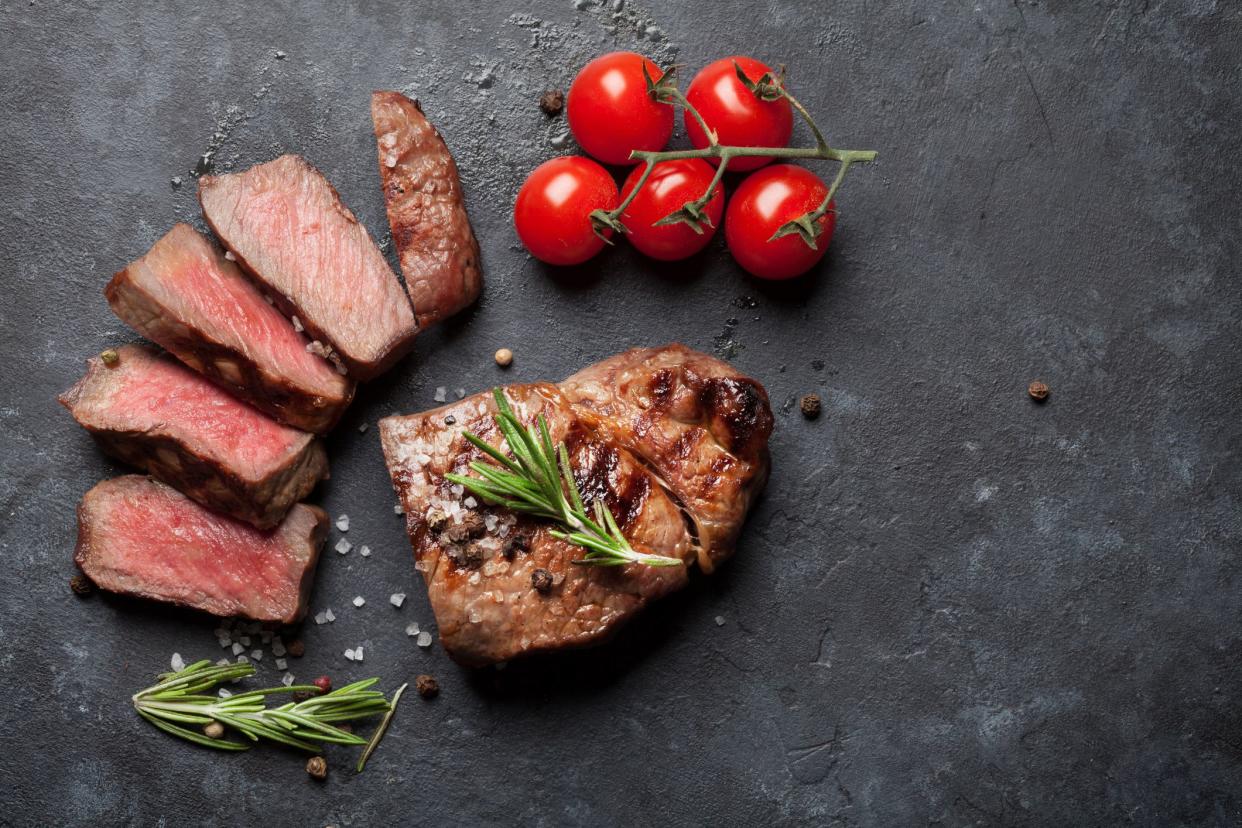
pixel 953 606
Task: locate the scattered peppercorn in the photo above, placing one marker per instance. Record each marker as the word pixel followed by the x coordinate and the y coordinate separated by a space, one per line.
pixel 324 684
pixel 810 406
pixel 504 357
pixel 515 543
pixel 552 102
pixel 1039 390
pixel 110 357
pixel 541 580
pixel 213 730
pixel 472 526
pixel 296 648
pixel 450 420
pixel 317 767
pixel 81 585
pixel 436 520
pixel 427 687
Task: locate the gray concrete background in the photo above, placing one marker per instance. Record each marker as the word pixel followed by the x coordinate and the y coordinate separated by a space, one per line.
pixel 953 607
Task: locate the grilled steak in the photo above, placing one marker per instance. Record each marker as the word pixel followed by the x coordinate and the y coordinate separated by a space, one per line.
pixel 152 412
pixel 289 230
pixel 184 295
pixel 639 427
pixel 703 427
pixel 480 562
pixel 139 537
pixel 426 211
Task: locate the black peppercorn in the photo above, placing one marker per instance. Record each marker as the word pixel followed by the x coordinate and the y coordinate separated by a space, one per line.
pixel 296 648
pixel 1038 390
pixel 81 585
pixel 515 543
pixel 427 687
pixel 552 102
pixel 436 520
pixel 541 580
pixel 810 406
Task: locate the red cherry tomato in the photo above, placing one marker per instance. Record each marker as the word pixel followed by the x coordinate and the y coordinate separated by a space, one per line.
pixel 552 213
pixel 668 188
pixel 740 117
pixel 610 112
pixel 764 201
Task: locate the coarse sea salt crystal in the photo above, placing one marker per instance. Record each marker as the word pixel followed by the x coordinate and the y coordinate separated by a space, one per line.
pixel 397 510
pixel 365 551
pixel 457 489
pixel 475 617
pixel 223 662
pixel 177 662
pixel 297 325
pixel 422 459
pixel 720 620
pixel 257 655
pixel 282 664
pixel 278 647
pixel 225 642
pixel 461 392
pixel 342 523
pixel 349 654
pixel 331 616
pixel 222 693
pixel 343 546
pixel 473 579
pixel 287 679
pixel 490 522
pixel 362 428
pixel 241 659
pixel 424 639
pixel 238 649
pixel 359 601
pixel 245 640
pixel 441 394
pixel 470 502
pixel 228 254
pixel 397 599
pixel 358 654
pixel 321 618
pixel 411 629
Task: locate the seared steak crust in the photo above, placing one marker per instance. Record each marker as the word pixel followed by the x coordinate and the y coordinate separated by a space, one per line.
pixel 673 441
pixel 426 210
pixel 184 295
pixel 152 413
pixel 701 426
pixel 139 537
pixel 289 230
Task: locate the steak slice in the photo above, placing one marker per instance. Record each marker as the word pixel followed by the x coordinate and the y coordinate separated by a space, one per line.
pixel 479 561
pixel 154 413
pixel 139 537
pixel 184 295
pixel 426 210
pixel 289 230
pixel 701 425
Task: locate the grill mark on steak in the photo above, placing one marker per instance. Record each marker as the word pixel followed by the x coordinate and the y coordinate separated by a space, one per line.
pixel 290 231
pixel 139 537
pixel 436 247
pixel 184 295
pixel 151 412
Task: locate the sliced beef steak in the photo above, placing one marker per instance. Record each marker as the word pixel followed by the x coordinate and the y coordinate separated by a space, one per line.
pixel 701 425
pixel 673 441
pixel 500 585
pixel 154 413
pixel 289 230
pixel 184 295
pixel 138 537
pixel 426 211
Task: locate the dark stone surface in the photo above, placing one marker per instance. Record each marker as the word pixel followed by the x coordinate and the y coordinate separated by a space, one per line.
pixel 954 606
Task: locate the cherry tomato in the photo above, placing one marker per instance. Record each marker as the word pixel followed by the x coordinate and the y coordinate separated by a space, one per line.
pixel 740 117
pixel 764 201
pixel 668 188
pixel 554 205
pixel 610 112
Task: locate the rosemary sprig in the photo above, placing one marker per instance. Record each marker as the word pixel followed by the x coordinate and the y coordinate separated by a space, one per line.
pixel 537 480
pixel 180 699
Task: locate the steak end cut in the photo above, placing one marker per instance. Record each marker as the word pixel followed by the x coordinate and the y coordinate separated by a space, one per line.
pixel 152 412
pixel 437 249
pixel 138 537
